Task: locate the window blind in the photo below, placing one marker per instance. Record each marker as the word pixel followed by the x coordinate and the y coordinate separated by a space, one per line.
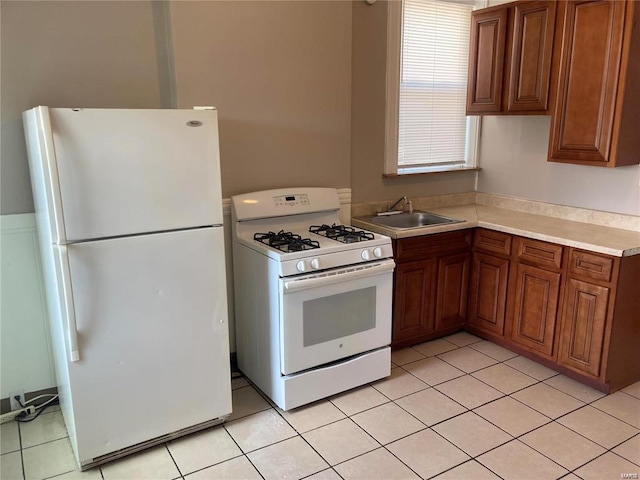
pixel 432 123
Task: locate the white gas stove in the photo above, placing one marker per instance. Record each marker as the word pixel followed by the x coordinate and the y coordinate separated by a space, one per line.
pixel 302 231
pixel 313 297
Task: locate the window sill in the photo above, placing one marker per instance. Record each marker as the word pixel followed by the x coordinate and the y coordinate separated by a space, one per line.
pixel 431 172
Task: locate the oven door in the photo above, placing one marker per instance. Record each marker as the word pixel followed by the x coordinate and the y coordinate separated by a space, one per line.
pixel 335 314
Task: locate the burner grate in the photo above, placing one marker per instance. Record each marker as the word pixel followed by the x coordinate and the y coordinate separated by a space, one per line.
pixel 341 233
pixel 286 241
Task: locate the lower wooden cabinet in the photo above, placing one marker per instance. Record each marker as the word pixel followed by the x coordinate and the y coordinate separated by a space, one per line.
pixel 583 326
pixel 451 291
pixel 572 310
pixel 431 281
pixel 413 300
pixel 488 292
pixel 536 296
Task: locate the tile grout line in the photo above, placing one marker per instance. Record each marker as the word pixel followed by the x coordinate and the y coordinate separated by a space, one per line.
pixel 347 417
pixel 276 410
pixel 471 459
pixel 24 472
pixel 538 381
pixel 426 427
pixel 241 450
pixel 546 424
pixel 476 458
pixel 166 446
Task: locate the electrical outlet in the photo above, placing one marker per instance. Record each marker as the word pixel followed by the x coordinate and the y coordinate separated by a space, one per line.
pixel 14 403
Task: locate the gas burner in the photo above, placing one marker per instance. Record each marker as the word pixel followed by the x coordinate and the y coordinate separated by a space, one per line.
pixel 286 241
pixel 341 233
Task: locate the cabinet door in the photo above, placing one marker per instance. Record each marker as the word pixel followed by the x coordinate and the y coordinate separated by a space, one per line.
pixel 486 61
pixel 535 307
pixel 532 46
pixel 451 296
pixel 413 299
pixel 582 123
pixel 583 325
pixel 488 295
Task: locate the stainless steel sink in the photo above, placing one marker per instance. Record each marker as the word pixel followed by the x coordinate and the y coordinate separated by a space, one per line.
pixel 403 221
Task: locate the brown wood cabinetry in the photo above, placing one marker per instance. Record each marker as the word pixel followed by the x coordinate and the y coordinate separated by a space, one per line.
pixel 570 309
pixel 486 61
pixel 488 284
pixel 510 56
pixel 597 67
pixel 515 290
pixel 583 323
pixel 600 324
pixel 536 295
pixel 451 291
pixel 413 300
pixel 430 286
pixel 574 59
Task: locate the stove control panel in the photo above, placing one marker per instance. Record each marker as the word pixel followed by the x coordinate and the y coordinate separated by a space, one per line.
pixel 368 254
pixel 299 199
pixel 314 261
pixel 306 265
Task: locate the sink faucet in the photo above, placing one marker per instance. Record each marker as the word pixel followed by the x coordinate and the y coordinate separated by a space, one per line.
pixel 401 199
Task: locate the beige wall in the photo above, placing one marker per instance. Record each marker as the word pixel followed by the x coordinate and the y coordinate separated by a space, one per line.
pixel 368 119
pixel 69 54
pixel 300 87
pixel 279 73
pixel 513 152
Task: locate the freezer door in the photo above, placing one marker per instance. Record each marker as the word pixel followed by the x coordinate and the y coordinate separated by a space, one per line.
pixel 151 314
pixel 125 172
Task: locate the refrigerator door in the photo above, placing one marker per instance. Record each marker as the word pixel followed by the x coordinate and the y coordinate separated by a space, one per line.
pixel 151 315
pixel 123 172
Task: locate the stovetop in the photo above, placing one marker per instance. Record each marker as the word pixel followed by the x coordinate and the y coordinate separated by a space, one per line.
pixel 301 230
pixel 342 233
pixel 288 242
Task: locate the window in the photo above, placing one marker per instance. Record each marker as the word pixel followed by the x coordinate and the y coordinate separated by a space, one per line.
pixel 428 52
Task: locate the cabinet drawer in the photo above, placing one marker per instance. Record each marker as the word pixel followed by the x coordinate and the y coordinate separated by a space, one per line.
pixel 590 265
pixel 425 246
pixel 490 241
pixel 539 253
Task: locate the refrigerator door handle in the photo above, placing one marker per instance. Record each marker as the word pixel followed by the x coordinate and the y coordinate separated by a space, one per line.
pixel 67 303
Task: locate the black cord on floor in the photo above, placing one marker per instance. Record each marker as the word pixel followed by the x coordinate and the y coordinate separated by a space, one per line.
pixel 39 409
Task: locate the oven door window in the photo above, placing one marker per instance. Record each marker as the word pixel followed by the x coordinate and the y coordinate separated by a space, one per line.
pixel 350 313
pixel 334 320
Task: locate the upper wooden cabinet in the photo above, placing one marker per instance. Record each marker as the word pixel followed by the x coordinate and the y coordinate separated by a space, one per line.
pixel 486 60
pixel 510 55
pixel 597 109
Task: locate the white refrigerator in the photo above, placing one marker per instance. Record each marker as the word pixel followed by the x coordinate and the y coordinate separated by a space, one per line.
pixel 129 215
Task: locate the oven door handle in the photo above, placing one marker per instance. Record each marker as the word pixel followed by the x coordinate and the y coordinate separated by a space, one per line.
pixel 341 275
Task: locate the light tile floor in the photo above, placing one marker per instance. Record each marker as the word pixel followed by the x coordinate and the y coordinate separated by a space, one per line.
pixel 454 408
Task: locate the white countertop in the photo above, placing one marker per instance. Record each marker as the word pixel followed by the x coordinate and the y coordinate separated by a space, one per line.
pixel 608 240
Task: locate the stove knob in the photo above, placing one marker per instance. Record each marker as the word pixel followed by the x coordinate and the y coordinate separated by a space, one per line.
pixel 301 266
pixel 377 252
pixel 315 263
pixel 366 255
